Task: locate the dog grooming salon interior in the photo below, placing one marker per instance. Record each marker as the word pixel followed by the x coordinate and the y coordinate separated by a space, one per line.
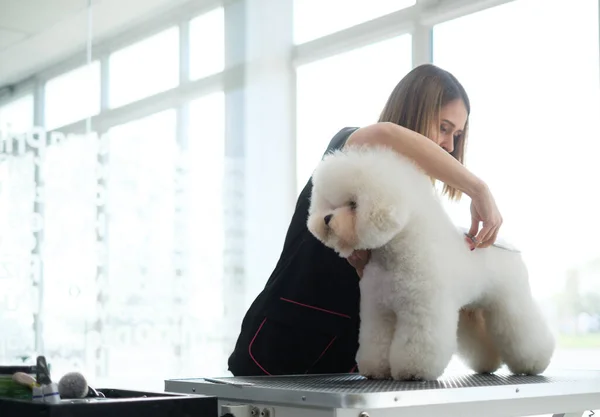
pixel 285 208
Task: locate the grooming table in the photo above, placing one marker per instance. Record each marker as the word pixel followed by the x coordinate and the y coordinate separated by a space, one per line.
pixel 558 393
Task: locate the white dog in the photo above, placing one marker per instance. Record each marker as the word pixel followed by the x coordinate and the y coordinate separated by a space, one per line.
pixel 422 273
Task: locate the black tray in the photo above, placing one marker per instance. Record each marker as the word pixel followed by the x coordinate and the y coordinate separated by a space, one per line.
pixel 118 403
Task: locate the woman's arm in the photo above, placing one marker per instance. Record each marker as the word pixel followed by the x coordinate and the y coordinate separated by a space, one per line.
pixel 439 164
pixel 432 159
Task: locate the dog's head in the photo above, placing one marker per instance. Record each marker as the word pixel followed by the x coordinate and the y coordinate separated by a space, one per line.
pixel 357 201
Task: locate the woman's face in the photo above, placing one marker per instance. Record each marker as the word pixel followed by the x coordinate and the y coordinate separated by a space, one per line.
pixel 453 118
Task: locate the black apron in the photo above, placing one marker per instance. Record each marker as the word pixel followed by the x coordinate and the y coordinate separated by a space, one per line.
pixel 306 319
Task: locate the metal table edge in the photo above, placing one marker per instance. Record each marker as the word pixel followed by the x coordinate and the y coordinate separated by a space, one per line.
pixel 385 399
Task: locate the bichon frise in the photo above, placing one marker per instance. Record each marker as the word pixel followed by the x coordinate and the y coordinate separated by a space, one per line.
pixel 422 274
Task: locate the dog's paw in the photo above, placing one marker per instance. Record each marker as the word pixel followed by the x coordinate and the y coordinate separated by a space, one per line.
pixel 415 368
pixel 404 375
pixel 376 375
pixel 528 367
pixel 374 370
pixel 373 361
pixel 414 375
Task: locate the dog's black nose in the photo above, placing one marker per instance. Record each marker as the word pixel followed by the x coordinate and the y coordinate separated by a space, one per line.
pixel 328 218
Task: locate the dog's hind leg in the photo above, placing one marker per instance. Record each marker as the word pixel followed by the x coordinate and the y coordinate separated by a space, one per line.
pixel 475 347
pixel 375 336
pixel 520 332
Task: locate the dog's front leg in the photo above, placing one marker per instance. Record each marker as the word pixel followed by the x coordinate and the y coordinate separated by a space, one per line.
pixel 425 335
pixel 377 325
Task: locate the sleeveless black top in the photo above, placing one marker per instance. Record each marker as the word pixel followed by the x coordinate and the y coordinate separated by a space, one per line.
pixel 305 320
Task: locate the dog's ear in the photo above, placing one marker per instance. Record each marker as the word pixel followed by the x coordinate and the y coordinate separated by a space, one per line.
pixel 385 218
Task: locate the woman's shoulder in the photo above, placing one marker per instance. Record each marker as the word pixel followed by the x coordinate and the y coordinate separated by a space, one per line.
pixel 340 138
pixel 376 133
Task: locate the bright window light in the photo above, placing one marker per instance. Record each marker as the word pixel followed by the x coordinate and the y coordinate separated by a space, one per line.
pixel 316 18
pixel 17 306
pixel 207 44
pixel 145 68
pixel 535 104
pixel 141 244
pixel 72 96
pixel 70 249
pixel 206 228
pixel 16 117
pixel 348 89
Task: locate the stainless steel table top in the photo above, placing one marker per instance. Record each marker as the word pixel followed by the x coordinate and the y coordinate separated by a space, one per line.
pixel 353 391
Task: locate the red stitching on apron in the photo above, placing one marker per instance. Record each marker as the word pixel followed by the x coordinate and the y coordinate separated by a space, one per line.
pixel 315 308
pixel 250 347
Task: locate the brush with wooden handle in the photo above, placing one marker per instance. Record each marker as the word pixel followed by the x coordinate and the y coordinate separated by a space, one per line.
pixel 27 380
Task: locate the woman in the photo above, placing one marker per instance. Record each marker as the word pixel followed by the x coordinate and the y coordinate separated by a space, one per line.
pixel 307 317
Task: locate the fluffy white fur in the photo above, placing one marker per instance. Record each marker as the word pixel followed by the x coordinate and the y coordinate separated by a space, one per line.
pixel 422 277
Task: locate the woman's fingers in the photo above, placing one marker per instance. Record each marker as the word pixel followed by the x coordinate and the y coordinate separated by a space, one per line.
pixel 470 242
pixel 483 235
pixel 489 240
pixel 474 226
pixel 359 258
pixel 488 234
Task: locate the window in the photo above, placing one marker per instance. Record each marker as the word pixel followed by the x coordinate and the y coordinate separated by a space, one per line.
pixel 70 249
pixel 145 68
pixel 18 300
pixel 207 44
pixel 204 223
pixel 206 154
pixel 16 117
pixel 73 96
pixel 535 103
pixel 349 89
pixel 146 311
pixel 316 18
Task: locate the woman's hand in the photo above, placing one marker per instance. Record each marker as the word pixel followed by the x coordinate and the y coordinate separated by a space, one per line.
pixel 359 259
pixel 485 211
pixel 438 164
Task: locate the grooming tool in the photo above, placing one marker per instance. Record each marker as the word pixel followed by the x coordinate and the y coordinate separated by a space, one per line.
pixel 93 393
pixel 49 388
pixel 471 237
pixel 37 394
pixel 24 379
pixel 42 373
pixel 87 400
pixel 499 243
pixel 51 394
pixel 73 385
pixel 16 386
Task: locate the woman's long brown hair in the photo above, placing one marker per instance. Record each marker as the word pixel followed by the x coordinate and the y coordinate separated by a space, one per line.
pixel 416 102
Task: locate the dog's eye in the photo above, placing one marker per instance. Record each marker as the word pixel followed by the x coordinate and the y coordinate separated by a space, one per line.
pixel 352 204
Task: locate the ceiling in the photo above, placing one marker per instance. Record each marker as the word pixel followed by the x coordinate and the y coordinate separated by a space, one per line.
pixel 35 34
